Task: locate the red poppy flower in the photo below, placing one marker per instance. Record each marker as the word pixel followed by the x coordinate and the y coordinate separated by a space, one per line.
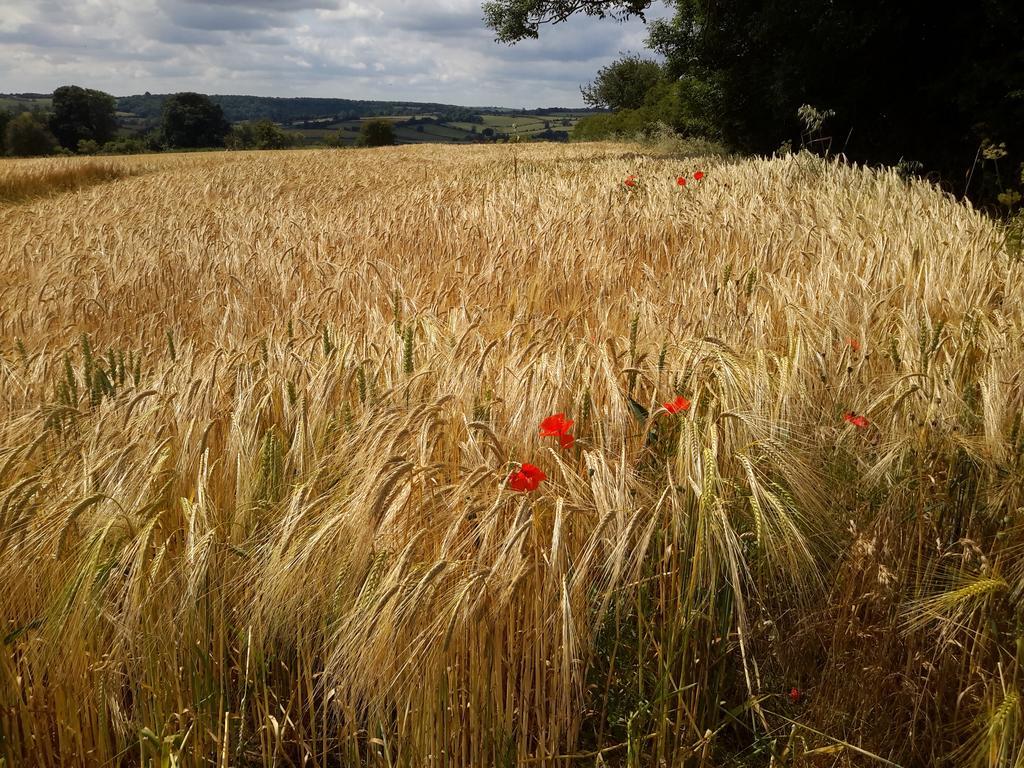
pixel 681 181
pixel 698 175
pixel 527 479
pixel 860 422
pixel 555 425
pixel 677 405
pixel 558 426
pixel 854 344
pixel 630 181
pixel 794 695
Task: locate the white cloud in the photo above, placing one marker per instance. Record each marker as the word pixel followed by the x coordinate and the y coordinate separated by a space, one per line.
pixel 13 18
pixel 368 49
pixel 349 11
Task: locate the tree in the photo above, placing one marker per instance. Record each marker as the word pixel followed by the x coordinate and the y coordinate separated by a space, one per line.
pixel 335 139
pixel 192 120
pixel 515 20
pixel 5 118
pixel 82 114
pixel 376 133
pixel 262 134
pixel 900 80
pixel 270 136
pixel 27 135
pixel 913 80
pixel 623 84
pixel 241 136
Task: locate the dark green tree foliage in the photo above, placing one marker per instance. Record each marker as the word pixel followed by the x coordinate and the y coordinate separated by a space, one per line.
pixel 241 136
pixel 292 111
pixel 5 118
pixel 262 134
pixel 911 80
pixel 27 135
pixel 132 145
pixel 335 139
pixel 515 20
pixel 665 104
pixel 376 133
pixel 192 120
pixel 270 136
pixel 627 123
pixel 82 114
pixel 623 84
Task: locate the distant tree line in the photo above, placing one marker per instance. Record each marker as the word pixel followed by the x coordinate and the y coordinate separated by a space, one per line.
pixel 87 122
pixel 296 110
pixel 84 121
pixel 918 83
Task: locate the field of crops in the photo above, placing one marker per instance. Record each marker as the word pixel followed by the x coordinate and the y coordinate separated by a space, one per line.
pixel 274 489
pixel 521 126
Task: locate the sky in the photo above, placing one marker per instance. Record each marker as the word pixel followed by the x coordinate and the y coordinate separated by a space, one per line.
pixel 414 50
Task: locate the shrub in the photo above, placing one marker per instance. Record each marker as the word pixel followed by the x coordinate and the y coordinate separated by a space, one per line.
pixel 376 133
pixel 336 140
pixel 128 145
pixel 262 134
pixel 27 135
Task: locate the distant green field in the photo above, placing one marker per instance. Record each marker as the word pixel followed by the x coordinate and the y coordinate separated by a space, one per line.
pixel 523 125
pixel 444 131
pixel 19 104
pixel 137 116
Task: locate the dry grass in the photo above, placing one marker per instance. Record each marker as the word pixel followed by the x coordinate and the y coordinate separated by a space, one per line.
pixel 256 412
pixel 24 179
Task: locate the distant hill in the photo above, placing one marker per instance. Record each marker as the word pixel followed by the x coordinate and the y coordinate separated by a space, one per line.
pixel 315 120
pixel 289 110
pixel 25 102
pixel 300 109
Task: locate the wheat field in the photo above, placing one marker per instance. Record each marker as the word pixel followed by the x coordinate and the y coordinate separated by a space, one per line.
pixel 262 416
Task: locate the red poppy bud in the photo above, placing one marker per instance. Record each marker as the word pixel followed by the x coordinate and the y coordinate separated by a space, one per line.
pixel 698 175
